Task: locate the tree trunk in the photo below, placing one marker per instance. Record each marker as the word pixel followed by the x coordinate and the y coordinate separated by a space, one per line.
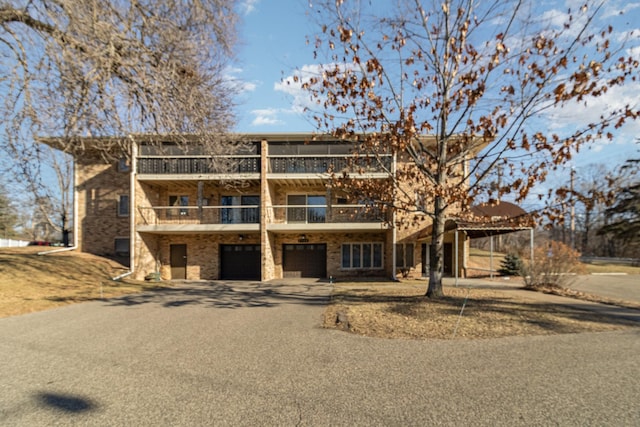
pixel 587 229
pixel 436 254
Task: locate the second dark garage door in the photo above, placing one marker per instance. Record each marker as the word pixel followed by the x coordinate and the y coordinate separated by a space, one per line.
pixel 304 260
pixel 240 262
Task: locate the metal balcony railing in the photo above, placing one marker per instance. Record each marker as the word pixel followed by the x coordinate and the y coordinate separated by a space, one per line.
pixel 198 215
pixel 318 214
pixel 325 163
pixel 178 165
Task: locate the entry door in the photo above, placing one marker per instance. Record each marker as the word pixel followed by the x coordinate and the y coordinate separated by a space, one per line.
pixel 179 262
pixel 448 258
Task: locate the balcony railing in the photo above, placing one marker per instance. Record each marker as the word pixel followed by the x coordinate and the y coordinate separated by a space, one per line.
pixel 199 215
pixel 318 214
pixel 180 165
pixel 323 164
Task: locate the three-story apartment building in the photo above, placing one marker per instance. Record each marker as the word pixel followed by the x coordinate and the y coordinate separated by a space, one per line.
pixel 271 212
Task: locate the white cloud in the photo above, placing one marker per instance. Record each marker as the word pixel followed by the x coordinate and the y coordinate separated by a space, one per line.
pixel 292 85
pixel 231 76
pixel 267 116
pixel 248 6
pixel 614 9
pixel 575 114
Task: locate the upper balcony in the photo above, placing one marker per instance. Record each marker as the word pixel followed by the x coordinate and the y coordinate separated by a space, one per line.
pixel 324 218
pixel 318 160
pixel 198 219
pixel 320 165
pixel 189 167
pixel 173 162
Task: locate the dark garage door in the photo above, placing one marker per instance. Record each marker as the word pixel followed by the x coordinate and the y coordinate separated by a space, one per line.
pixel 308 260
pixel 240 262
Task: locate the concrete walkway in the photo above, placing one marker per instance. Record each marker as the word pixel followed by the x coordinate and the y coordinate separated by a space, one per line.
pixel 254 354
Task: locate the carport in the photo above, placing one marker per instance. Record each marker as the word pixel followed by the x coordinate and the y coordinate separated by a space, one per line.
pixel 489 220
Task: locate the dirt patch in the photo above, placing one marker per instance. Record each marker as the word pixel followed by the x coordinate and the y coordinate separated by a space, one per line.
pixel 401 311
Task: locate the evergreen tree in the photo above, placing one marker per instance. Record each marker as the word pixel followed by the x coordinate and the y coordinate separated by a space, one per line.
pixel 511 265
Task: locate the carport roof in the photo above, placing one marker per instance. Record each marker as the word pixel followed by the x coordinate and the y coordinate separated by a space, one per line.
pixel 487 219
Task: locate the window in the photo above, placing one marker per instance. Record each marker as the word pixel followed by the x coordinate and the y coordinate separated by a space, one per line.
pixel 124 165
pixel 307 208
pixel 178 201
pixel 361 255
pixel 121 246
pixel 239 214
pixel 404 255
pixel 123 205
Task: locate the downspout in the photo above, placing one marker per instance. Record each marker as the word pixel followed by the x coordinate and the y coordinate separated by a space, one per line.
pixel 132 204
pixel 393 220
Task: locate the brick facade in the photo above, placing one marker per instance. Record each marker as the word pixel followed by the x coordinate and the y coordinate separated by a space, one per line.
pixel 98 187
pixel 158 205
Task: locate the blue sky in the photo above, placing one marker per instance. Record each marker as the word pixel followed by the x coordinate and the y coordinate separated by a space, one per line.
pixel 273 46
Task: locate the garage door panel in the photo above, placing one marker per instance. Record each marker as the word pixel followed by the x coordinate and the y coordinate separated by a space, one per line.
pixel 240 262
pixel 305 260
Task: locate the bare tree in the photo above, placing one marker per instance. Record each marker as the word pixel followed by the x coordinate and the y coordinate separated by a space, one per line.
pixel 91 68
pixel 8 216
pixel 623 217
pixel 476 75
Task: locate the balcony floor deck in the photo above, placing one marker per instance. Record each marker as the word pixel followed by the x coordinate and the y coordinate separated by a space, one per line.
pixel 197 228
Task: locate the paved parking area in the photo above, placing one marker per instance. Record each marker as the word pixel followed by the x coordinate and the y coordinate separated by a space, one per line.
pixel 617 286
pixel 227 353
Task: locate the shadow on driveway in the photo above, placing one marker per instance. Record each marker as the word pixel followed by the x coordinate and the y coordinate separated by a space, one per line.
pixel 225 294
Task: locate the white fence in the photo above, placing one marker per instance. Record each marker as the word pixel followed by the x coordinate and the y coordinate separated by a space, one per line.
pixel 10 243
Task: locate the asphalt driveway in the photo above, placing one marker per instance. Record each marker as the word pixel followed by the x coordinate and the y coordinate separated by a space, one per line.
pixel 254 354
pixel 624 287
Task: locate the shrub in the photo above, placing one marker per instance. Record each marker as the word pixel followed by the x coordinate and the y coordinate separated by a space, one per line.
pixel 554 265
pixel 511 265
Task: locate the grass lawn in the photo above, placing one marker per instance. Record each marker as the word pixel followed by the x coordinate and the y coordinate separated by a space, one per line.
pixel 400 310
pixel 31 282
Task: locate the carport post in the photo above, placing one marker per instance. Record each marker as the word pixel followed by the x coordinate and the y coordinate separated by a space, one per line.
pixel 531 247
pixel 491 257
pixel 455 239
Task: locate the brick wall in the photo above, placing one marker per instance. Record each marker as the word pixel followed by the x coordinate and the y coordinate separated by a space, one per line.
pixel 98 189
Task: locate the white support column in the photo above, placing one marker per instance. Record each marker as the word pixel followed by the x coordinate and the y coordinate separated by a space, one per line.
pixel 455 254
pixel 76 221
pixel 531 247
pixel 491 257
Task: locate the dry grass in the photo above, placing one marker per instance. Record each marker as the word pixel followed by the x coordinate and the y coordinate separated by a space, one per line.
pixel 480 260
pixel 388 310
pixel 30 282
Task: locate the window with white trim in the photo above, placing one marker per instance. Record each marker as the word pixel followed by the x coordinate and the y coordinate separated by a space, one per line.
pixel 362 255
pixel 404 255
